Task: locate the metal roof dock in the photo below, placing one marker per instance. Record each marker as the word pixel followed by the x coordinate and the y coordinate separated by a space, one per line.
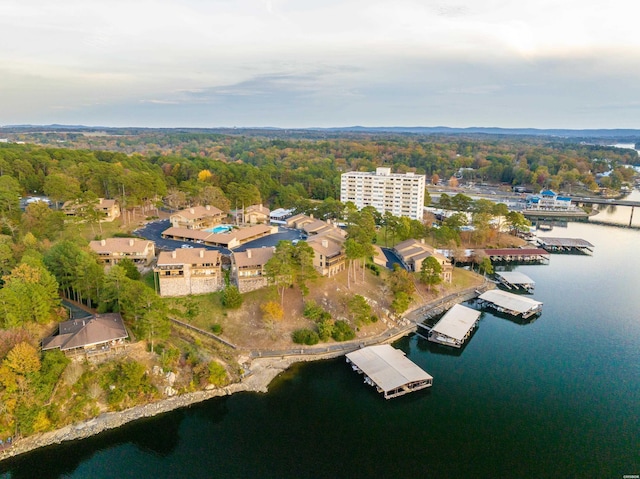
pixel 566 245
pixel 516 280
pixel 509 303
pixel 388 370
pixel 518 255
pixel 455 327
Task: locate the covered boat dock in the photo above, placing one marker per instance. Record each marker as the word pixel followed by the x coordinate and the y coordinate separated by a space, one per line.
pixel 388 370
pixel 566 245
pixel 516 281
pixel 518 255
pixel 455 327
pixel 509 303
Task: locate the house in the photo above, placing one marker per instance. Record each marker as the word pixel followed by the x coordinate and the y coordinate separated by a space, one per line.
pixel 197 217
pixel 256 214
pixel 108 209
pixel 188 271
pixel 90 336
pixel 111 251
pixel 248 268
pixel 413 252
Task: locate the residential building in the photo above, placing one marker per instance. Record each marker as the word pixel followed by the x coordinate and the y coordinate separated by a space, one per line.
pixel 197 217
pixel 232 237
pixel 90 336
pixel 254 214
pixel 111 251
pixel 413 252
pixel 329 254
pixel 248 268
pixel 400 194
pixel 109 209
pixel 327 241
pixel 188 271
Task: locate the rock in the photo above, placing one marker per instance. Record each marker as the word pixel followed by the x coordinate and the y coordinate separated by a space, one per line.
pixel 170 378
pixel 157 370
pixel 169 391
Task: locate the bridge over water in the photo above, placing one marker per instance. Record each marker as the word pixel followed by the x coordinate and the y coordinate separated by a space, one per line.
pixel 607 201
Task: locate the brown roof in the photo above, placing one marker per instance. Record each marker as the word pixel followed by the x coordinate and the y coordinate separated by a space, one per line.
pixel 120 245
pixel 220 238
pixel 253 257
pixel 257 209
pixel 78 333
pixel 325 245
pixel 198 212
pixel 188 256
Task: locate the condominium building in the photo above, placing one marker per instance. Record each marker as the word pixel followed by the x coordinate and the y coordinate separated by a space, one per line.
pixel 400 194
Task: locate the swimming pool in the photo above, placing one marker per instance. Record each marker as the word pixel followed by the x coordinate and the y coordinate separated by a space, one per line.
pixel 220 229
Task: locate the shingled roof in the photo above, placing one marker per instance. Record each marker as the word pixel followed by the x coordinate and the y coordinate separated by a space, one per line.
pixel 81 333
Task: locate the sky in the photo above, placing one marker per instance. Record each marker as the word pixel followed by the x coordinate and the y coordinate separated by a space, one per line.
pixel 321 63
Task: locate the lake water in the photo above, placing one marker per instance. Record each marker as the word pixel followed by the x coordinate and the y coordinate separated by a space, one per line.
pixel 559 397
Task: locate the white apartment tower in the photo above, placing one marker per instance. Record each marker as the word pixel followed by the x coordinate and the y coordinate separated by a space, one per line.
pixel 400 194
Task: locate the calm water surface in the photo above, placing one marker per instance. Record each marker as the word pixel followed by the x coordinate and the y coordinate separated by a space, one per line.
pixel 559 397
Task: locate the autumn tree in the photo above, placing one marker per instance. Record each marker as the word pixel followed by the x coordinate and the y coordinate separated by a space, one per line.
pixel 30 294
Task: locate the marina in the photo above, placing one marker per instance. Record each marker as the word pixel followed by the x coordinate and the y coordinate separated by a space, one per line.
pixel 515 280
pixel 566 245
pixel 455 327
pixel 389 370
pixel 509 303
pixel 518 255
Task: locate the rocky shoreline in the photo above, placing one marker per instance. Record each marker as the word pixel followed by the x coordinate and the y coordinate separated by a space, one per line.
pixel 263 371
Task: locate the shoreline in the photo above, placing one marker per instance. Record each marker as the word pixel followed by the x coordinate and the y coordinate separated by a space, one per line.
pixel 263 370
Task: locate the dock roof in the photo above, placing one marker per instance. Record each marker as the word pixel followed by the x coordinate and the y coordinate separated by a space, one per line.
pixel 512 302
pixel 457 322
pixel 515 277
pixel 388 367
pixel 565 242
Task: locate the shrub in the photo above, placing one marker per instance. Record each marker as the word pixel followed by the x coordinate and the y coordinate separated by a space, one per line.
pixel 305 336
pixel 325 329
pixel 231 297
pixel 217 374
pixel 216 328
pixel 342 331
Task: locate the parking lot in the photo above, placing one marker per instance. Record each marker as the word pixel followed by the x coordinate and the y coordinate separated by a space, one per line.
pixel 153 231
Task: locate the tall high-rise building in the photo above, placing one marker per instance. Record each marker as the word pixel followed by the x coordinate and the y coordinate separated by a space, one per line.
pixel 401 194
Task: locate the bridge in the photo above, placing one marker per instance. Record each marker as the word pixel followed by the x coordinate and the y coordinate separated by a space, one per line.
pixel 607 201
pixel 604 201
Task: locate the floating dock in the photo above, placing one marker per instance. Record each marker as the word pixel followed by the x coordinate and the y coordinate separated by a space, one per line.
pixel 518 255
pixel 455 327
pixel 566 245
pixel 509 303
pixel 389 370
pixel 516 281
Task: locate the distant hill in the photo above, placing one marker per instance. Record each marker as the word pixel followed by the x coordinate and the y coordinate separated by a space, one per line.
pixel 608 135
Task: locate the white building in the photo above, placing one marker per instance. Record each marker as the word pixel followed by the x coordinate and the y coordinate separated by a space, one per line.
pixel 400 194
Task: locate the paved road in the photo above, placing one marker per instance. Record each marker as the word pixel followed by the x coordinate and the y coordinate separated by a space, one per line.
pixel 153 230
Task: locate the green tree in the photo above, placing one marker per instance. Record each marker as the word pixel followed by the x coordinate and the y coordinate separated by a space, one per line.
pixel 61 187
pixel 430 272
pixel 360 309
pixel 217 374
pixel 279 270
pixel 401 302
